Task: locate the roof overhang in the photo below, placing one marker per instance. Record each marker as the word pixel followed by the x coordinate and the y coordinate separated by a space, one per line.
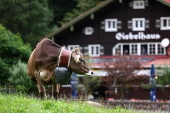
pixel 166 2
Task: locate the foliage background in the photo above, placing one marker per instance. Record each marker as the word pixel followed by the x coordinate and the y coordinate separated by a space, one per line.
pixel 33 19
pixel 12 49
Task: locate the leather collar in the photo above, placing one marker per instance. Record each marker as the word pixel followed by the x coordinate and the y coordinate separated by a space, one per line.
pixel 64 58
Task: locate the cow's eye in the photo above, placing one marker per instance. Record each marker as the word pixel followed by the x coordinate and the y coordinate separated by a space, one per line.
pixel 82 61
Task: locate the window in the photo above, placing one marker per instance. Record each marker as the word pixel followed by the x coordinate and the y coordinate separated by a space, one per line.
pixel 72 47
pixel 94 50
pixel 125 49
pixel 138 4
pixel 144 49
pixel 110 25
pixel 160 50
pixel 165 23
pixel 134 49
pixel 88 31
pixel 152 49
pixel 138 24
pixel 139 49
pixel 118 50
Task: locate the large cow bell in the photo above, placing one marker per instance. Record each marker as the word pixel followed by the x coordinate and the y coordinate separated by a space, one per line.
pixel 62 75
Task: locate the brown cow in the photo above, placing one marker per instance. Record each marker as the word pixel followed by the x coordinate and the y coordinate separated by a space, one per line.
pixel 46 57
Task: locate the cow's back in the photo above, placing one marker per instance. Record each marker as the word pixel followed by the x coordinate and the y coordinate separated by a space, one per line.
pixel 43 57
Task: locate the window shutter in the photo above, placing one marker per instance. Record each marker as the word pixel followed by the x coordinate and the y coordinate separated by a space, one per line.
pixel 119 25
pixel 158 23
pixel 130 4
pixel 86 52
pixel 102 25
pixel 81 49
pixel 147 24
pixel 146 3
pixel 84 30
pixel 101 50
pixel 130 24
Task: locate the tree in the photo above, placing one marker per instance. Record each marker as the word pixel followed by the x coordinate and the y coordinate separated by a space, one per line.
pixel 82 6
pixel 12 49
pixel 59 8
pixel 164 77
pixel 4 72
pixel 30 18
pixel 123 73
pixel 88 84
pixel 33 19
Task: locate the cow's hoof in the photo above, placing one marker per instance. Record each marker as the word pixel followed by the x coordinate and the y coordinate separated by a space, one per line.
pixel 41 95
pixel 55 95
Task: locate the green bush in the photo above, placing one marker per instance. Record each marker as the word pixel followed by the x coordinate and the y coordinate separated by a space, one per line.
pixel 19 78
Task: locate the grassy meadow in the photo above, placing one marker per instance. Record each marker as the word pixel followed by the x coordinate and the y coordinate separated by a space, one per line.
pixel 24 104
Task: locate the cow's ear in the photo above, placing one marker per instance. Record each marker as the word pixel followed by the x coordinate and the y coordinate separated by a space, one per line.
pixel 76 55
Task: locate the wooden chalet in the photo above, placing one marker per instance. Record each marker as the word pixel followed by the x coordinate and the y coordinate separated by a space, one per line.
pixel 120 27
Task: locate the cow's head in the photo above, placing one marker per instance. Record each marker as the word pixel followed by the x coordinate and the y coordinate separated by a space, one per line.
pixel 78 64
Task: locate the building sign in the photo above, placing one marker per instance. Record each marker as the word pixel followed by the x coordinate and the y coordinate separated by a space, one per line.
pixel 139 36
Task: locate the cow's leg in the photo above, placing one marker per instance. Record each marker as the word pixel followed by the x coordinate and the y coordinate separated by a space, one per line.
pixel 40 85
pixel 55 90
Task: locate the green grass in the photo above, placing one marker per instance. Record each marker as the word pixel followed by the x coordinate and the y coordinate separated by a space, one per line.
pixel 24 104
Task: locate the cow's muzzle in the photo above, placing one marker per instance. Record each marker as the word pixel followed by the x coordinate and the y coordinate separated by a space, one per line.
pixel 89 73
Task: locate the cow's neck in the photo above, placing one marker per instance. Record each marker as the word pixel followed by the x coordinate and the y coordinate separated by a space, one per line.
pixel 64 57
